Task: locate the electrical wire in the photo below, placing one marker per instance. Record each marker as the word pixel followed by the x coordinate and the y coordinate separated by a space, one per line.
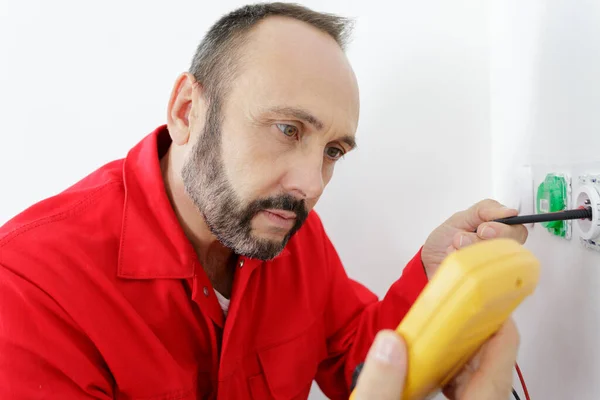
pixel 515 394
pixel 522 382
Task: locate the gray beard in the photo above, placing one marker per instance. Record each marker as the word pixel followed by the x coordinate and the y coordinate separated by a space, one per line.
pixel 228 219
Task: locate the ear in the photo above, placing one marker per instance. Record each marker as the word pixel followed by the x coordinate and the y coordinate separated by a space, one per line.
pixel 183 108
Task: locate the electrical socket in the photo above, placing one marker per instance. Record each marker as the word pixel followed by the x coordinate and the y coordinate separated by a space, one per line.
pixel 587 194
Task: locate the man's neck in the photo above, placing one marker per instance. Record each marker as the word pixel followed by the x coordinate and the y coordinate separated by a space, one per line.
pixel 219 265
pixel 217 260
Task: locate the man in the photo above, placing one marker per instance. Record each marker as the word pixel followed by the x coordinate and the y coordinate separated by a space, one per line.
pixel 195 267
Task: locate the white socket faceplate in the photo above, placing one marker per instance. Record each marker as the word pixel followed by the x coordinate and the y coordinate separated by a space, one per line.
pixel 587 195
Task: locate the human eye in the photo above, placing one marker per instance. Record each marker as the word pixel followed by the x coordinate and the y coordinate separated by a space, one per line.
pixel 334 153
pixel 288 130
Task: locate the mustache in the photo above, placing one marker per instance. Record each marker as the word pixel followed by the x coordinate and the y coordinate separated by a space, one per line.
pixel 283 202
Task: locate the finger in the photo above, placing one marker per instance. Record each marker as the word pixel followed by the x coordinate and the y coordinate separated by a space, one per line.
pixel 493 374
pixel 464 239
pixel 483 211
pixel 489 210
pixel 500 353
pixel 384 371
pixel 456 387
pixel 491 230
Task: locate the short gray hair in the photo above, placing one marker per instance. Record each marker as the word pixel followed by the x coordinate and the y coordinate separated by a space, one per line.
pixel 213 65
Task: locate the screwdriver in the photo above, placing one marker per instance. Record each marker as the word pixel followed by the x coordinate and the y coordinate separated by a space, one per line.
pixel 580 213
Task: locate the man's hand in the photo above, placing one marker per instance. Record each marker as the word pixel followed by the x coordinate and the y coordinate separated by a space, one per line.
pixel 459 231
pixel 489 373
pixel 487 376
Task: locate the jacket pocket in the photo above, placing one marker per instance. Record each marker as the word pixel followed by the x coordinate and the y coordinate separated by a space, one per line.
pixel 289 368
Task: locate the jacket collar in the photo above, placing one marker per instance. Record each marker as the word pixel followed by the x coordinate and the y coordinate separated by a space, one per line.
pixel 153 244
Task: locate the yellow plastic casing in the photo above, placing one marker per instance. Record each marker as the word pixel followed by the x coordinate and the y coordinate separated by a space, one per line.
pixel 474 291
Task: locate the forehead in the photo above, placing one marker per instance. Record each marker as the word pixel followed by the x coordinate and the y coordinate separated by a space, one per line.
pixel 288 63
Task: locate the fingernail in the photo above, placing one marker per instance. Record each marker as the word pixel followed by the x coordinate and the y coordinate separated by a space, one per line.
pixel 464 241
pixel 387 350
pixel 488 233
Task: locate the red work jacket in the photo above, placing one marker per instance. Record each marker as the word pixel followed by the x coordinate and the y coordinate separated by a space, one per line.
pixel 102 296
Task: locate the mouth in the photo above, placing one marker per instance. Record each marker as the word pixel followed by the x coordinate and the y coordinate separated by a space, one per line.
pixel 279 219
pixel 287 215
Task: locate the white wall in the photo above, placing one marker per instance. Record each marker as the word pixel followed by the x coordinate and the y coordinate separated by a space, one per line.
pixel 81 82
pixel 545 103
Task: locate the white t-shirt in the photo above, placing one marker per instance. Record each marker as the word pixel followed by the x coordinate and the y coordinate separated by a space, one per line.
pixel 223 302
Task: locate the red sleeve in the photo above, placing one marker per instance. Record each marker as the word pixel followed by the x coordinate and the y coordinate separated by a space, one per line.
pixel 42 352
pixel 363 293
pixel 353 318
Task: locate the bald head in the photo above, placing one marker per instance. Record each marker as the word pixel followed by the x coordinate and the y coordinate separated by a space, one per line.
pixel 288 63
pixel 215 63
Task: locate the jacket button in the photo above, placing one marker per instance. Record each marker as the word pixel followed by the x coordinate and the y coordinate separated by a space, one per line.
pixel 241 263
pixel 205 291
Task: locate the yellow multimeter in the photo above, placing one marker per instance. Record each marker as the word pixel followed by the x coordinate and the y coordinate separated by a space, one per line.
pixel 474 291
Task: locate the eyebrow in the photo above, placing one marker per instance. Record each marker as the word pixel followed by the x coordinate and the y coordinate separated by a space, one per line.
pixel 349 140
pixel 306 116
pixel 300 114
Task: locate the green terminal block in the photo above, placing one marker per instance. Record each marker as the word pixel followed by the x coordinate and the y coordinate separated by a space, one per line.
pixel 554 195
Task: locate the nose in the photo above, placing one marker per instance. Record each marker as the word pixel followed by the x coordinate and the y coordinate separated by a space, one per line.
pixel 304 177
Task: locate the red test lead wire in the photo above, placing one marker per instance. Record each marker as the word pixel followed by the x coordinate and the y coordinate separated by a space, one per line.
pixel 522 382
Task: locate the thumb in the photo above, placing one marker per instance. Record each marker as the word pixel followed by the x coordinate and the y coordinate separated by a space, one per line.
pixel 384 372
